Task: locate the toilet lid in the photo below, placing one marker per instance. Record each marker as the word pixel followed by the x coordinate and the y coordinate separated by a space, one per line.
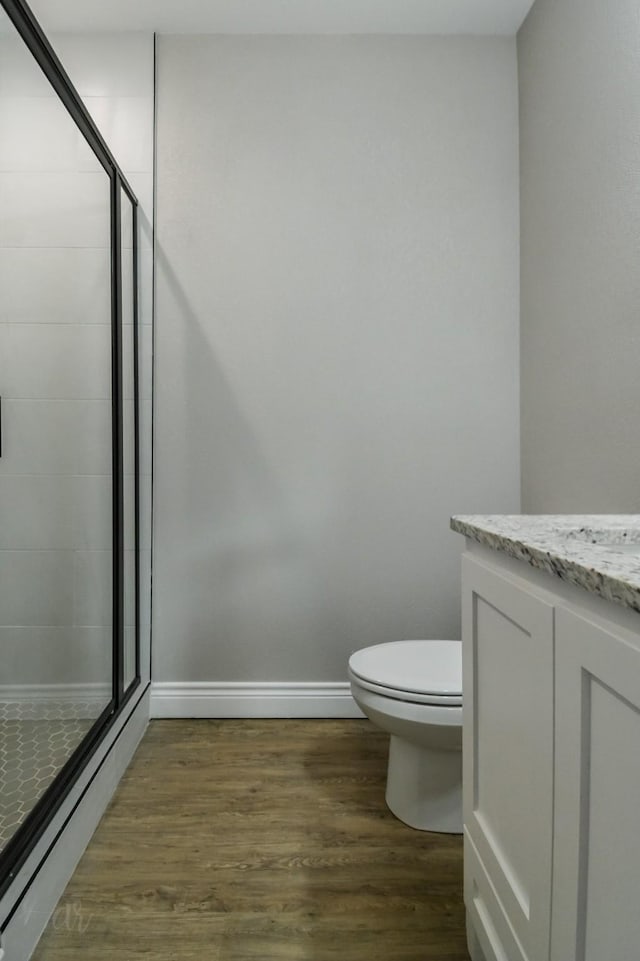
pixel 415 667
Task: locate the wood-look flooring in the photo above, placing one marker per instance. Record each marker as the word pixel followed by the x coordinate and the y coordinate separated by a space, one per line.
pixel 260 840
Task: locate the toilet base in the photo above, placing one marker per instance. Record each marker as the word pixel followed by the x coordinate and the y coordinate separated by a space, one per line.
pixel 424 787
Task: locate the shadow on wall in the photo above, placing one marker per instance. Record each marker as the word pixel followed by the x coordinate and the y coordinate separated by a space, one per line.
pixel 222 457
pixel 248 579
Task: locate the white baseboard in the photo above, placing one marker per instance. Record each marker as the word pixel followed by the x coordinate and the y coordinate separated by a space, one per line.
pixel 258 699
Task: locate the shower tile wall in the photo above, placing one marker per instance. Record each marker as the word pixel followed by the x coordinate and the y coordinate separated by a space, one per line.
pixel 55 565
pixel 55 488
pixel 115 76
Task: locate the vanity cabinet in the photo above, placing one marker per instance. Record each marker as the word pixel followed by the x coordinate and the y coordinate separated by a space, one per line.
pixel 551 770
pixel 507 762
pixel 596 877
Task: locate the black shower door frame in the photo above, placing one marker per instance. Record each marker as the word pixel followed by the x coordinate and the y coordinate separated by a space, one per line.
pixel 30 831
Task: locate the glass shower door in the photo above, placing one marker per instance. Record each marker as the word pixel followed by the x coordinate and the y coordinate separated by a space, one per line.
pixel 56 491
pixel 130 467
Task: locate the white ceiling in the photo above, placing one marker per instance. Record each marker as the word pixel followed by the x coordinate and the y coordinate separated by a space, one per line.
pixel 285 16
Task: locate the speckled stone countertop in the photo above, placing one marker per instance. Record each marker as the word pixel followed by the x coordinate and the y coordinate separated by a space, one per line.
pixel 598 552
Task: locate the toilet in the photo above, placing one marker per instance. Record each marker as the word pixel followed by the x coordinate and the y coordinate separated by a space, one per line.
pixel 413 690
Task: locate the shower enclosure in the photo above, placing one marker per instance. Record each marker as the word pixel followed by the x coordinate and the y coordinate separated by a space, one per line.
pixel 69 437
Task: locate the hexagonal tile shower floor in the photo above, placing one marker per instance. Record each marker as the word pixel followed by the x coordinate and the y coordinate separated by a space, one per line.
pixel 36 740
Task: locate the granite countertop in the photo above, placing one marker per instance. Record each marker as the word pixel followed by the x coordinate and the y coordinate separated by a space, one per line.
pixel 597 552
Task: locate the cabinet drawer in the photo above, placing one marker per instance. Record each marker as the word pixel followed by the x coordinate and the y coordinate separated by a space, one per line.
pixel 495 935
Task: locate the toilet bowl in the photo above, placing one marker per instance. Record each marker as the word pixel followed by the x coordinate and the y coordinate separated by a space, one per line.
pixel 413 690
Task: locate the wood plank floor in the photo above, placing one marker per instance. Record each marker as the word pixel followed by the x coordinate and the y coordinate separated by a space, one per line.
pixel 260 839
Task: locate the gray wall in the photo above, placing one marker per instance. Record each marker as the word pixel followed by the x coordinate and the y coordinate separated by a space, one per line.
pixel 336 346
pixel 580 166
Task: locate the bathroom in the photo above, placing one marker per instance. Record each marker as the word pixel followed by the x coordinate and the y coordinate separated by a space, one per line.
pixel 386 274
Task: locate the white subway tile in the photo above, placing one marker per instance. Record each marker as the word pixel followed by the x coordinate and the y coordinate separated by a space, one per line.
pixel 55 362
pixel 48 285
pixel 30 654
pixel 36 134
pixel 20 75
pixel 41 514
pixel 92 453
pixel 54 209
pixel 142 186
pixel 126 123
pixel 129 513
pixel 49 225
pixel 145 370
pixel 145 286
pixel 92 516
pixel 93 649
pixel 145 438
pixel 36 588
pixel 127 287
pixel 128 441
pixel 145 360
pixel 145 514
pixel 55 655
pixel 56 437
pixel 145 580
pixel 129 588
pixel 108 65
pixel 127 360
pixel 93 588
pixel 129 655
pixel 54 512
pixel 126 224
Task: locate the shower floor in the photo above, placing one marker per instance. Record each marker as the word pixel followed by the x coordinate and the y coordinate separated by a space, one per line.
pixel 36 740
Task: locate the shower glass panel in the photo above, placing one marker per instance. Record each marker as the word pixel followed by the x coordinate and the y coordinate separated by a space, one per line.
pixel 130 432
pixel 56 491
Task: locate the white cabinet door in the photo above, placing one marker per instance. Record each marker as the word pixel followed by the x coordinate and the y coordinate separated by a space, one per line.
pixel 596 896
pixel 508 762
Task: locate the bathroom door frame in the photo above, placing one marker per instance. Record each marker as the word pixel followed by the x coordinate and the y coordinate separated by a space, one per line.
pixel 31 830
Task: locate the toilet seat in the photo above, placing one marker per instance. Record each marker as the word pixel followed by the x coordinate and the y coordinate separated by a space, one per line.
pixel 421 672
